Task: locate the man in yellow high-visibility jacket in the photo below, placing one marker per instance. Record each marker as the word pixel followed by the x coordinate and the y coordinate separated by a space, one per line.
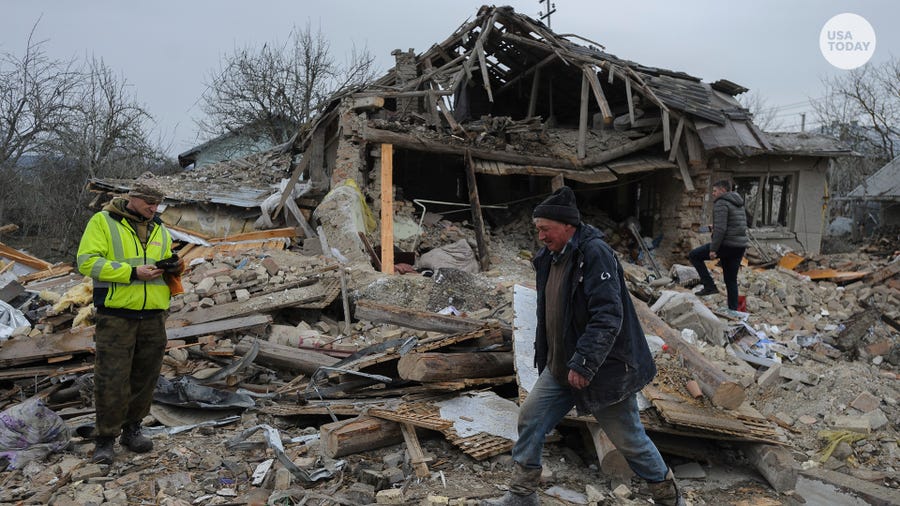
pixel 119 251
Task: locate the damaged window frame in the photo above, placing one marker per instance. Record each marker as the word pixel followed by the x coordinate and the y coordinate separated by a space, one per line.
pixel 776 206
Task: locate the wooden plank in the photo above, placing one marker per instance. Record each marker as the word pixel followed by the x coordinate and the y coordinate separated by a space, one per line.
pixel 448 115
pixel 484 260
pixel 289 189
pixel 667 140
pixel 683 170
pixel 421 320
pixel 599 96
pixel 7 266
pixel 427 367
pixel 258 235
pixel 535 86
pixel 14 373
pixel 218 326
pixel 628 97
pixel 624 149
pixel 357 435
pixel 676 139
pixel 25 350
pixel 434 116
pixel 790 260
pixel 285 357
pixel 417 143
pixel 694 149
pixel 485 76
pixel 416 455
pixel 52 272
pixel 387 208
pixel 23 258
pixel 342 407
pixel 834 275
pixel 583 119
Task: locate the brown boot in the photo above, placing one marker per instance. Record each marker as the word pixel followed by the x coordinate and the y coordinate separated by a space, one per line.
pixel 666 492
pixel 522 489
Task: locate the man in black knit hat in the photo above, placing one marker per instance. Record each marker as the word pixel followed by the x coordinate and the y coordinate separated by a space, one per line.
pixel 590 352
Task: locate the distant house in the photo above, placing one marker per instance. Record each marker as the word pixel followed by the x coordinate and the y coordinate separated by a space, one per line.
pixel 237 143
pixel 883 190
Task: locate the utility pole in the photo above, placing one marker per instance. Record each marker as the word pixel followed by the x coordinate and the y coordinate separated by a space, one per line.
pixel 802 121
pixel 551 8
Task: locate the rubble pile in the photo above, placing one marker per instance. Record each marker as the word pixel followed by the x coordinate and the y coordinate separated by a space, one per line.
pixel 355 400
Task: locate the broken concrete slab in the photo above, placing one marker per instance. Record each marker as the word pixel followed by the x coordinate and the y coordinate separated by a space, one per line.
pixel 685 310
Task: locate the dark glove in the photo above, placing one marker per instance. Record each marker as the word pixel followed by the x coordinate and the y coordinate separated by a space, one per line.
pixel 172 265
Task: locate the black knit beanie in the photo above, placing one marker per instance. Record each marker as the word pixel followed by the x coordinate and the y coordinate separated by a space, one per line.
pixel 560 206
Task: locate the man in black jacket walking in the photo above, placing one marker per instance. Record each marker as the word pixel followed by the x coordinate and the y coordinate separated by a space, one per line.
pixel 729 240
pixel 590 351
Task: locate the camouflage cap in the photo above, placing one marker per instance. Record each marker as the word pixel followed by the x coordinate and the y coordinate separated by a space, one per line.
pixel 147 193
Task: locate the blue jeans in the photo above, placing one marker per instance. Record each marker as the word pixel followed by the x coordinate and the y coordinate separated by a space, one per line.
pixel 730 260
pixel 549 402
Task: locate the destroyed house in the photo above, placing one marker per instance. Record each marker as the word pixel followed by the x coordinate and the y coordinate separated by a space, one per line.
pixel 504 106
pixel 493 117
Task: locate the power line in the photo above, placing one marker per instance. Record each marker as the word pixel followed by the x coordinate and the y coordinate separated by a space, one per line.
pixel 792 105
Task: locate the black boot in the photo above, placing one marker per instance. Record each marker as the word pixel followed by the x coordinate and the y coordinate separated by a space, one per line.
pixel 134 440
pixel 103 450
pixel 666 492
pixel 707 290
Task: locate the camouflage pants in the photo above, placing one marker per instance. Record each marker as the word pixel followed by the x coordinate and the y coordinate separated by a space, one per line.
pixel 126 368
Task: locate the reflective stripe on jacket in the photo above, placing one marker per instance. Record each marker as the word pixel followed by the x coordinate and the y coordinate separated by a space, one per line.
pixel 110 249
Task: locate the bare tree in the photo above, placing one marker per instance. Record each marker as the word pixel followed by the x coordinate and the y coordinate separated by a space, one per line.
pixel 105 133
pixel 764 116
pixel 61 123
pixel 862 107
pixel 34 96
pixel 278 85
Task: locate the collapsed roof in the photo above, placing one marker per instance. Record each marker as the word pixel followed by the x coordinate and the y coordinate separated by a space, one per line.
pixel 505 53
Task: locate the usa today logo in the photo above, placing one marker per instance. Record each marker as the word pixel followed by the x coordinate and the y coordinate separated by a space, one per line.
pixel 847 41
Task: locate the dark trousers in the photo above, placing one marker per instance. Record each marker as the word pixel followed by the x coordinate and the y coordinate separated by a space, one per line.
pixel 730 261
pixel 126 369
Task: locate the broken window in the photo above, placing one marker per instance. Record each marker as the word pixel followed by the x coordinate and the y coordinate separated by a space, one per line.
pixel 768 198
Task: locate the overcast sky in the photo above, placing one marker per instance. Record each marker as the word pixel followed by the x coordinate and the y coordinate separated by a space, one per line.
pixel 166 48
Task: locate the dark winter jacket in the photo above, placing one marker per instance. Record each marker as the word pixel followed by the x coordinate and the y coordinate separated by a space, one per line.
pixel 729 222
pixel 602 335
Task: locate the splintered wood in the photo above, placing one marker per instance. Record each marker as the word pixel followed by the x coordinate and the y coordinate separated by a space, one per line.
pixel 427 414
